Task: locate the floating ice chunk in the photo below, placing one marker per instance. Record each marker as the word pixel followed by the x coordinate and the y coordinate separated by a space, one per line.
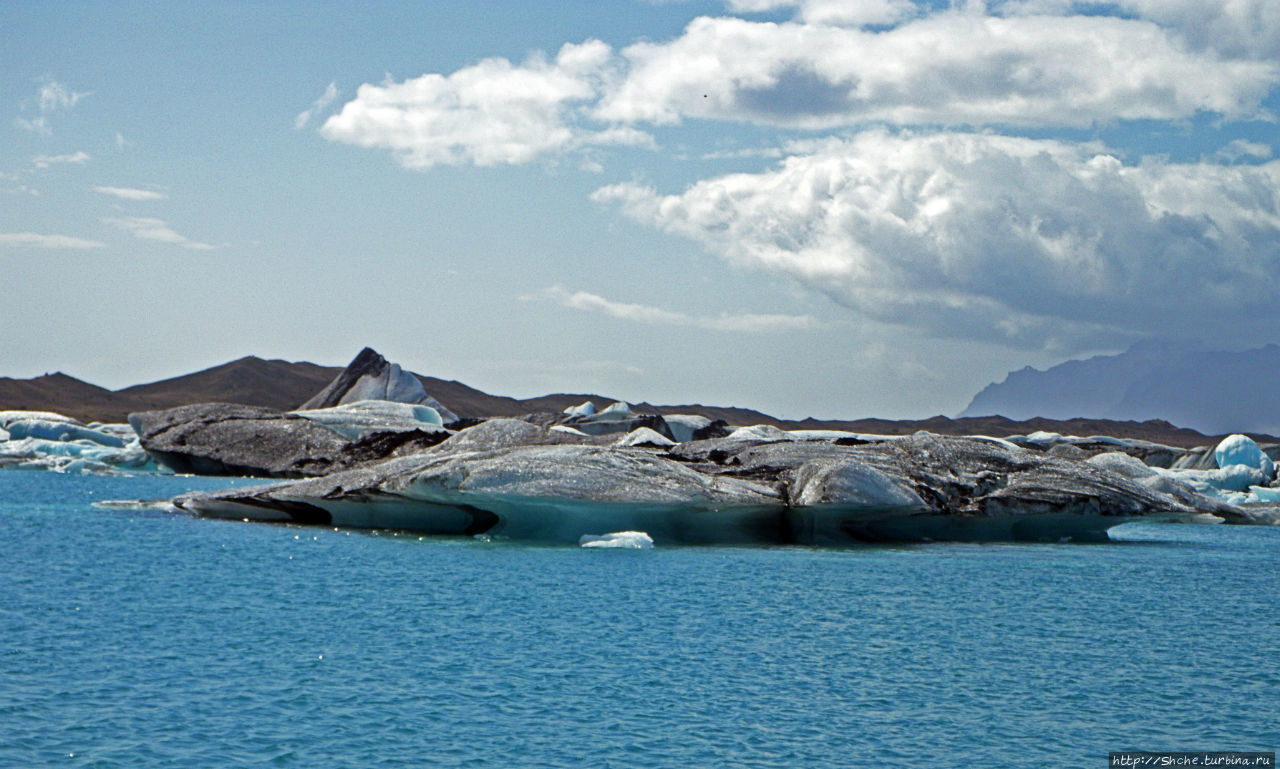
pixel 585 409
pixel 1264 494
pixel 60 431
pixel 1241 450
pixel 14 415
pixel 136 505
pixel 999 442
pixel 80 455
pixel 84 466
pixel 850 483
pixel 1122 464
pixel 1044 438
pixel 1236 478
pixel 644 436
pixel 360 418
pixel 760 433
pixel 4 435
pixel 619 410
pixel 630 540
pixel 567 430
pixel 822 435
pixel 1165 481
pixel 494 434
pixel 683 426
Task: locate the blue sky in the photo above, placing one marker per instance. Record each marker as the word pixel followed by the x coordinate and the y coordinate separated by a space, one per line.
pixel 815 207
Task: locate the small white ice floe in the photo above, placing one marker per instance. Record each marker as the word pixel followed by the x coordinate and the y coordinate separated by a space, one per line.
pixel 152 505
pixel 633 540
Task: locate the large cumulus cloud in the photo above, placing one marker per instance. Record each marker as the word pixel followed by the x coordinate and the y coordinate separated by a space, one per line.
pixel 949 68
pixel 1040 243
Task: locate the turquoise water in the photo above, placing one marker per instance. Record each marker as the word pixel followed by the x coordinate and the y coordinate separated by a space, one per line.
pixel 131 638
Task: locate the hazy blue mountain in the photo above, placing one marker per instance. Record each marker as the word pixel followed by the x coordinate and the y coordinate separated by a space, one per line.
pixel 1212 391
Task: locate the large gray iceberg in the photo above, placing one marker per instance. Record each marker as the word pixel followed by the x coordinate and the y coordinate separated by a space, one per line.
pixel 230 439
pixel 369 376
pixel 518 480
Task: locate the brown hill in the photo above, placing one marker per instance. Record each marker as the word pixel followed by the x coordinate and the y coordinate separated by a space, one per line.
pixel 464 400
pixel 251 381
pixel 57 392
pixel 283 385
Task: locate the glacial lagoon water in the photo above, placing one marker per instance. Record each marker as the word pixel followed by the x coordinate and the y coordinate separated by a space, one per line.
pixel 139 638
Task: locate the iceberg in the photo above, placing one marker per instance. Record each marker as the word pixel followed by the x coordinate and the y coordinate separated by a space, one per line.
pixel 13 415
pixel 1265 494
pixel 514 479
pixel 360 419
pixel 75 456
pixel 60 431
pixel 686 427
pixel 617 418
pixel 1242 450
pixel 228 439
pixel 45 440
pixel 616 410
pixel 644 436
pixel 760 433
pixel 585 409
pixel 369 376
pixel 627 540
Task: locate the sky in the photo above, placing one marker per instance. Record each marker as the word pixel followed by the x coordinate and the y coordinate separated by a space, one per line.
pixel 828 208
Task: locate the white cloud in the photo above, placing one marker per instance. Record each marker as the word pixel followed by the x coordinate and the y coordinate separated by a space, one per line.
pixel 75 158
pixel 491 113
pixel 317 106
pixel 1237 28
pixel 52 97
pixel 1243 148
pixel 1037 243
pixel 841 12
pixel 948 68
pixel 747 152
pixel 131 193
pixel 46 241
pixel 640 313
pixel 154 229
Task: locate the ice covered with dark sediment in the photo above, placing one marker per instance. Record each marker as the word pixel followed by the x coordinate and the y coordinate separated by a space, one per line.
pixel 520 480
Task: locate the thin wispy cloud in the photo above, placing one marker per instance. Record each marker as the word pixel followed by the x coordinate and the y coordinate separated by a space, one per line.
pixel 74 158
pixel 317 106
pixel 148 228
pixel 640 313
pixel 52 97
pixel 1241 149
pixel 38 240
pixel 131 193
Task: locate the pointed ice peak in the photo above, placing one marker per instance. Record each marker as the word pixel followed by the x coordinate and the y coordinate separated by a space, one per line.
pixel 369 376
pixel 619 410
pixel 645 436
pixel 585 409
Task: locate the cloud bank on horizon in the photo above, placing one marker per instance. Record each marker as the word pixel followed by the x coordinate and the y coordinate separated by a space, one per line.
pixel 934 166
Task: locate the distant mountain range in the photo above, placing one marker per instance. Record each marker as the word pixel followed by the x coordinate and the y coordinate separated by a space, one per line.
pixel 284 385
pixel 1212 391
